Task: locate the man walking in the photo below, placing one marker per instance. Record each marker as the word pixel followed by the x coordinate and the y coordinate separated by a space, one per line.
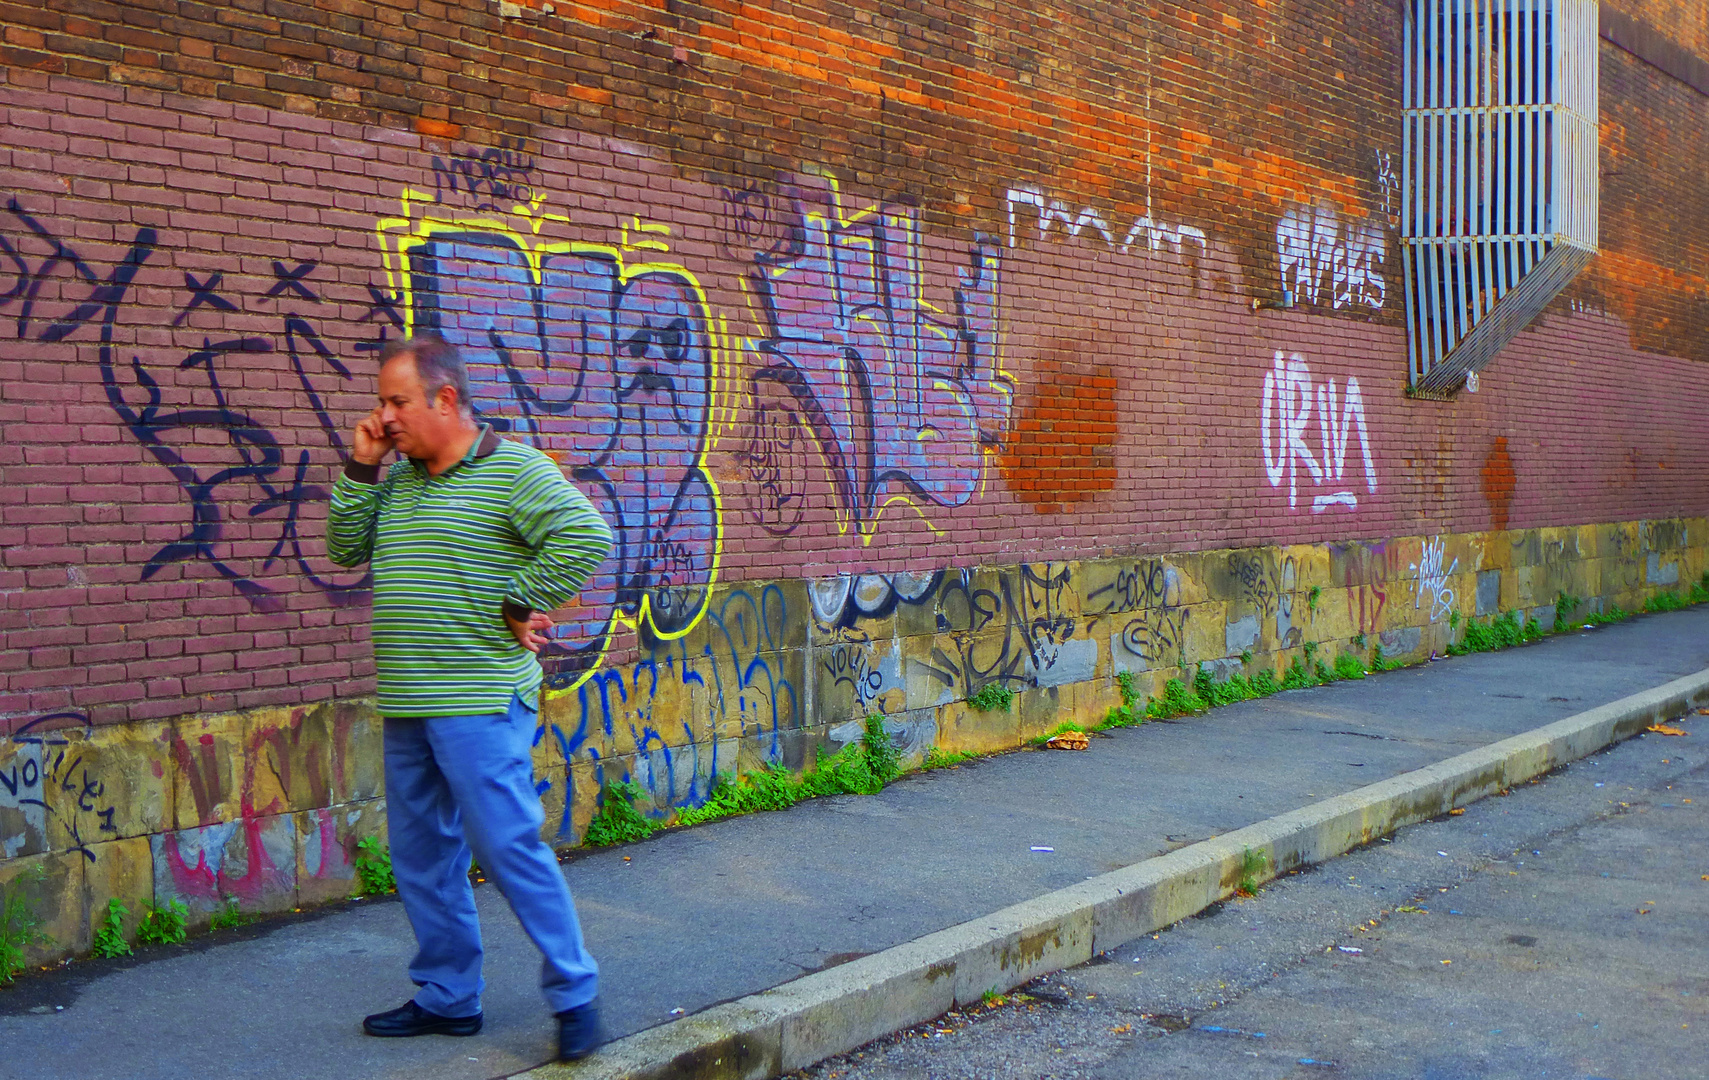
pixel 472 540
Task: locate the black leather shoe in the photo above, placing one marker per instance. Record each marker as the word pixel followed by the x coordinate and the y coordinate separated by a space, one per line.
pixel 410 1019
pixel 579 1032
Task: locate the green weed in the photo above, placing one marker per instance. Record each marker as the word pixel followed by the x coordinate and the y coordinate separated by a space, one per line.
pixel 1501 632
pixel 617 821
pixel 1605 618
pixel 1379 662
pixel 1700 590
pixel 945 759
pixel 1177 700
pixel 1131 712
pixel 1348 666
pixel 230 916
pixel 1667 601
pixel 883 756
pixel 1565 605
pixel 1297 677
pixel 1252 866
pixel 862 768
pixel 1236 687
pixel 374 867
pixel 164 925
pixel 1128 685
pixel 110 938
pixel 19 926
pixel 992 697
pixel 1312 598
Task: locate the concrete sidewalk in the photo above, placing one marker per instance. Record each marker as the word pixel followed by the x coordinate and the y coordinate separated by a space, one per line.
pixel 706 915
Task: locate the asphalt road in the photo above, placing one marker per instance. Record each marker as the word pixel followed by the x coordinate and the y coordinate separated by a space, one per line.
pixel 1557 931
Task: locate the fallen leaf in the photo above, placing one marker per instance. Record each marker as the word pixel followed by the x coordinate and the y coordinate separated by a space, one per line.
pixel 1665 729
pixel 1077 740
pixel 1457 811
pixel 1703 712
pixel 1447 961
pixel 1122 1030
pixel 1643 911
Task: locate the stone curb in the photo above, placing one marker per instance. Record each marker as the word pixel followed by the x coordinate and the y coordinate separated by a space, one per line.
pixel 831 1012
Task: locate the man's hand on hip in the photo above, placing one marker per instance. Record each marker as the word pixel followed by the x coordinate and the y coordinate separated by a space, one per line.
pixel 372 442
pixel 531 635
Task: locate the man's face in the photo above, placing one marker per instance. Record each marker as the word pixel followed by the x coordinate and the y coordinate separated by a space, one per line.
pixel 418 426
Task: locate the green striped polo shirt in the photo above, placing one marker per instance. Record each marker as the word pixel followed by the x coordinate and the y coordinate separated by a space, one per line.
pixel 450 552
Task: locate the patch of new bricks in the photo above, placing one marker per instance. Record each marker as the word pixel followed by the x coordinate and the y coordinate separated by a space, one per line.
pixel 951 977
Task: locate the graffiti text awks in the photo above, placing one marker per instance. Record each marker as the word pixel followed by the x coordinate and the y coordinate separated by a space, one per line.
pixel 901 398
pixel 605 356
pixel 1328 259
pixel 1298 452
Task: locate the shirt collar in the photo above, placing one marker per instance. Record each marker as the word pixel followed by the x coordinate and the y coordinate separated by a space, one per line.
pixel 486 441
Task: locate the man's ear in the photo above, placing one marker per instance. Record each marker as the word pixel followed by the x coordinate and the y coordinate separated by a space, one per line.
pixel 446 398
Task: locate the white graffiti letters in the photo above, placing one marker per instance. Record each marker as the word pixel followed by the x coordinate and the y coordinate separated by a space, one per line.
pixel 1290 398
pixel 1433 579
pixel 1316 247
pixel 1145 232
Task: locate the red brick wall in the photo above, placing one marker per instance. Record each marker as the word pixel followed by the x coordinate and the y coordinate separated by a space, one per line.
pixel 781 300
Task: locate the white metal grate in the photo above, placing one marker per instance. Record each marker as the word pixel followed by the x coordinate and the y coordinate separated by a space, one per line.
pixel 1499 173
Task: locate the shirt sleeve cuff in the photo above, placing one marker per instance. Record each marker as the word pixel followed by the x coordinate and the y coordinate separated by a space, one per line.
pixel 515 610
pixel 362 473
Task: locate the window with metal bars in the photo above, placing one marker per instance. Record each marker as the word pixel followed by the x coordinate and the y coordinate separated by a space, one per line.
pixel 1499 182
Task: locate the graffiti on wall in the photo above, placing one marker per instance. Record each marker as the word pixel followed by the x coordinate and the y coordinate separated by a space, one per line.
pixel 1388 188
pixel 606 357
pixel 47 781
pixel 1144 234
pixel 1330 259
pixel 1433 579
pixel 1143 602
pixel 901 399
pixel 683 703
pixel 1362 571
pixel 230 466
pixel 1290 399
pixel 1010 627
pixel 1267 587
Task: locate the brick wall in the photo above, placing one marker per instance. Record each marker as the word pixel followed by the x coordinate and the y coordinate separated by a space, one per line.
pixel 795 291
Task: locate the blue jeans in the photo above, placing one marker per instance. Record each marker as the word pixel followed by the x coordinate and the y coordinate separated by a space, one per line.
pixel 456 783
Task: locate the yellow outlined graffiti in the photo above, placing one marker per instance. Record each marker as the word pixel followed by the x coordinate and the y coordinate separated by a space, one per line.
pixel 863 267
pixel 423 220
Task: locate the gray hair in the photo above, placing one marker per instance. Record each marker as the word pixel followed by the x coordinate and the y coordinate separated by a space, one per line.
pixel 437 363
